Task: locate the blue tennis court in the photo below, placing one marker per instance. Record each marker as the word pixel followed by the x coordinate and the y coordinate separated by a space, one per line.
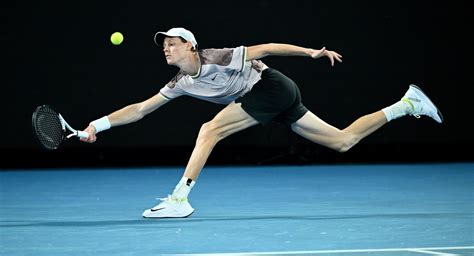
pixel 349 209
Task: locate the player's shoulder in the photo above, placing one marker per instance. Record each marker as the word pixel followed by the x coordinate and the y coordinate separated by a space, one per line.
pixel 176 79
pixel 217 56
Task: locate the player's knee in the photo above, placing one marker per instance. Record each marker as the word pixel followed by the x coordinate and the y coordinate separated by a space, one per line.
pixel 208 132
pixel 342 148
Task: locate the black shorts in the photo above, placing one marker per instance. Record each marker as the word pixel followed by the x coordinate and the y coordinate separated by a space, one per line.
pixel 275 97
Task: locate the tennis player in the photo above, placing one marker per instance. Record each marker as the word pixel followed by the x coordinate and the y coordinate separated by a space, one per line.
pixel 252 93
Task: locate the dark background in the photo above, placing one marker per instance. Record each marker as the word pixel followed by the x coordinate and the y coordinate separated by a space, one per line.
pixel 60 54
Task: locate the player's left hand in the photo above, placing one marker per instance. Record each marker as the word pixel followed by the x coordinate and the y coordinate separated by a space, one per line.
pixel 332 55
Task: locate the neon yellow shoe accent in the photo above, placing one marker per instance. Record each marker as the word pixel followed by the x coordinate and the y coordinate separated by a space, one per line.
pixel 179 200
pixel 406 100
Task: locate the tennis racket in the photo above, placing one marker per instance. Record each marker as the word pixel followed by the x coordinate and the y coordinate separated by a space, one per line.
pixel 50 127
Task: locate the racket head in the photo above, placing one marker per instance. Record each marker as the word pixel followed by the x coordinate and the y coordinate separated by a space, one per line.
pixel 47 127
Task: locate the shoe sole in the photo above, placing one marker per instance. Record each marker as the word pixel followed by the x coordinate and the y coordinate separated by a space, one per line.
pixel 429 101
pixel 168 217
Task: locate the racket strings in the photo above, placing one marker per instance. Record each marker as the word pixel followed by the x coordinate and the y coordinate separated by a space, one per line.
pixel 49 129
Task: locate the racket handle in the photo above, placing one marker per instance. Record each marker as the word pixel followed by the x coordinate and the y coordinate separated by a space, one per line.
pixel 82 134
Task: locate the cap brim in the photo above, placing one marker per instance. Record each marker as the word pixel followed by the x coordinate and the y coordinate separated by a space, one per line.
pixel 159 38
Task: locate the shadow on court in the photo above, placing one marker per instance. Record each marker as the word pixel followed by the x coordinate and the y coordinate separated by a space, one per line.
pixel 201 219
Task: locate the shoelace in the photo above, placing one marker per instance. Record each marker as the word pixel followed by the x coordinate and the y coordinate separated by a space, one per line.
pixel 168 198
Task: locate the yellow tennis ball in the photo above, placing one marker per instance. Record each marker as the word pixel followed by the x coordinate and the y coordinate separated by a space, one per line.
pixel 116 38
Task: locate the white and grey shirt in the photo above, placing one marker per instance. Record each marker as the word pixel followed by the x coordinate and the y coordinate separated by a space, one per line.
pixel 224 75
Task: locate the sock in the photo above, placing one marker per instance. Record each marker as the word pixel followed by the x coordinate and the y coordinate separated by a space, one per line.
pixel 399 109
pixel 181 191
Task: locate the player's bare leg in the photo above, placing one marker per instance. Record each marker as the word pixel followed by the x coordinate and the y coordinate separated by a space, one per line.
pixel 316 130
pixel 414 103
pixel 228 121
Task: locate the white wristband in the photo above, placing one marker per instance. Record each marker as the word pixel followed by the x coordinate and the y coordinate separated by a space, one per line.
pixel 101 124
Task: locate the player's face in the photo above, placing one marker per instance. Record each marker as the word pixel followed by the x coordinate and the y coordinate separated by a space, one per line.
pixel 174 50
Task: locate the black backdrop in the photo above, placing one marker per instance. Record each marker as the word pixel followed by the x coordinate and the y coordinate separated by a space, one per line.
pixel 60 54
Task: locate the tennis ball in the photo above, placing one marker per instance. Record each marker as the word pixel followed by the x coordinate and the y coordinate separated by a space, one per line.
pixel 116 38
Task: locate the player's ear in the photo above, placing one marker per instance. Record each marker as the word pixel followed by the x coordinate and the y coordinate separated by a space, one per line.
pixel 190 45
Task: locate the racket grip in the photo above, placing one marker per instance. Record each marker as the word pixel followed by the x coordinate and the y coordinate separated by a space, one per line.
pixel 82 134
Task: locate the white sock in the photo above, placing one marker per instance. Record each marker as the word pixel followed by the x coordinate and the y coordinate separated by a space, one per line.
pixel 181 191
pixel 399 109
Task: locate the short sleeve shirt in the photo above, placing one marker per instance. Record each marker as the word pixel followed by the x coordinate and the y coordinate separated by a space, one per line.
pixel 224 75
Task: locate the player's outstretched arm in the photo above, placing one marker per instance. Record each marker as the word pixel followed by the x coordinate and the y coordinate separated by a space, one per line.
pixel 273 49
pixel 125 115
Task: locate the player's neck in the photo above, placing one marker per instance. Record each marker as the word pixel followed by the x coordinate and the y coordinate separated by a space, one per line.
pixel 191 65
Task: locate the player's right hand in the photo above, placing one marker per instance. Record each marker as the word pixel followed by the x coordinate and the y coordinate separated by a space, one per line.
pixel 91 131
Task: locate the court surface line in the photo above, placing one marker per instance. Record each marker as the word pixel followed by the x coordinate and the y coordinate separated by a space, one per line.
pixel 433 253
pixel 428 250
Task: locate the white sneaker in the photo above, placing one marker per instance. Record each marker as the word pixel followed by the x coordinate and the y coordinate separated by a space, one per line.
pixel 421 104
pixel 170 208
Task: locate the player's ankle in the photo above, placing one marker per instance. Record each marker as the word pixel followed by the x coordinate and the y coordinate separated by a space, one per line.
pixel 183 188
pixel 397 110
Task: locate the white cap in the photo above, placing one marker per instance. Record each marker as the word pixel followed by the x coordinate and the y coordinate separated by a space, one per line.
pixel 175 32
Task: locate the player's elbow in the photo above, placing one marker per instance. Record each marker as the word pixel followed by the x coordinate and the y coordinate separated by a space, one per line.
pixel 139 111
pixel 346 143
